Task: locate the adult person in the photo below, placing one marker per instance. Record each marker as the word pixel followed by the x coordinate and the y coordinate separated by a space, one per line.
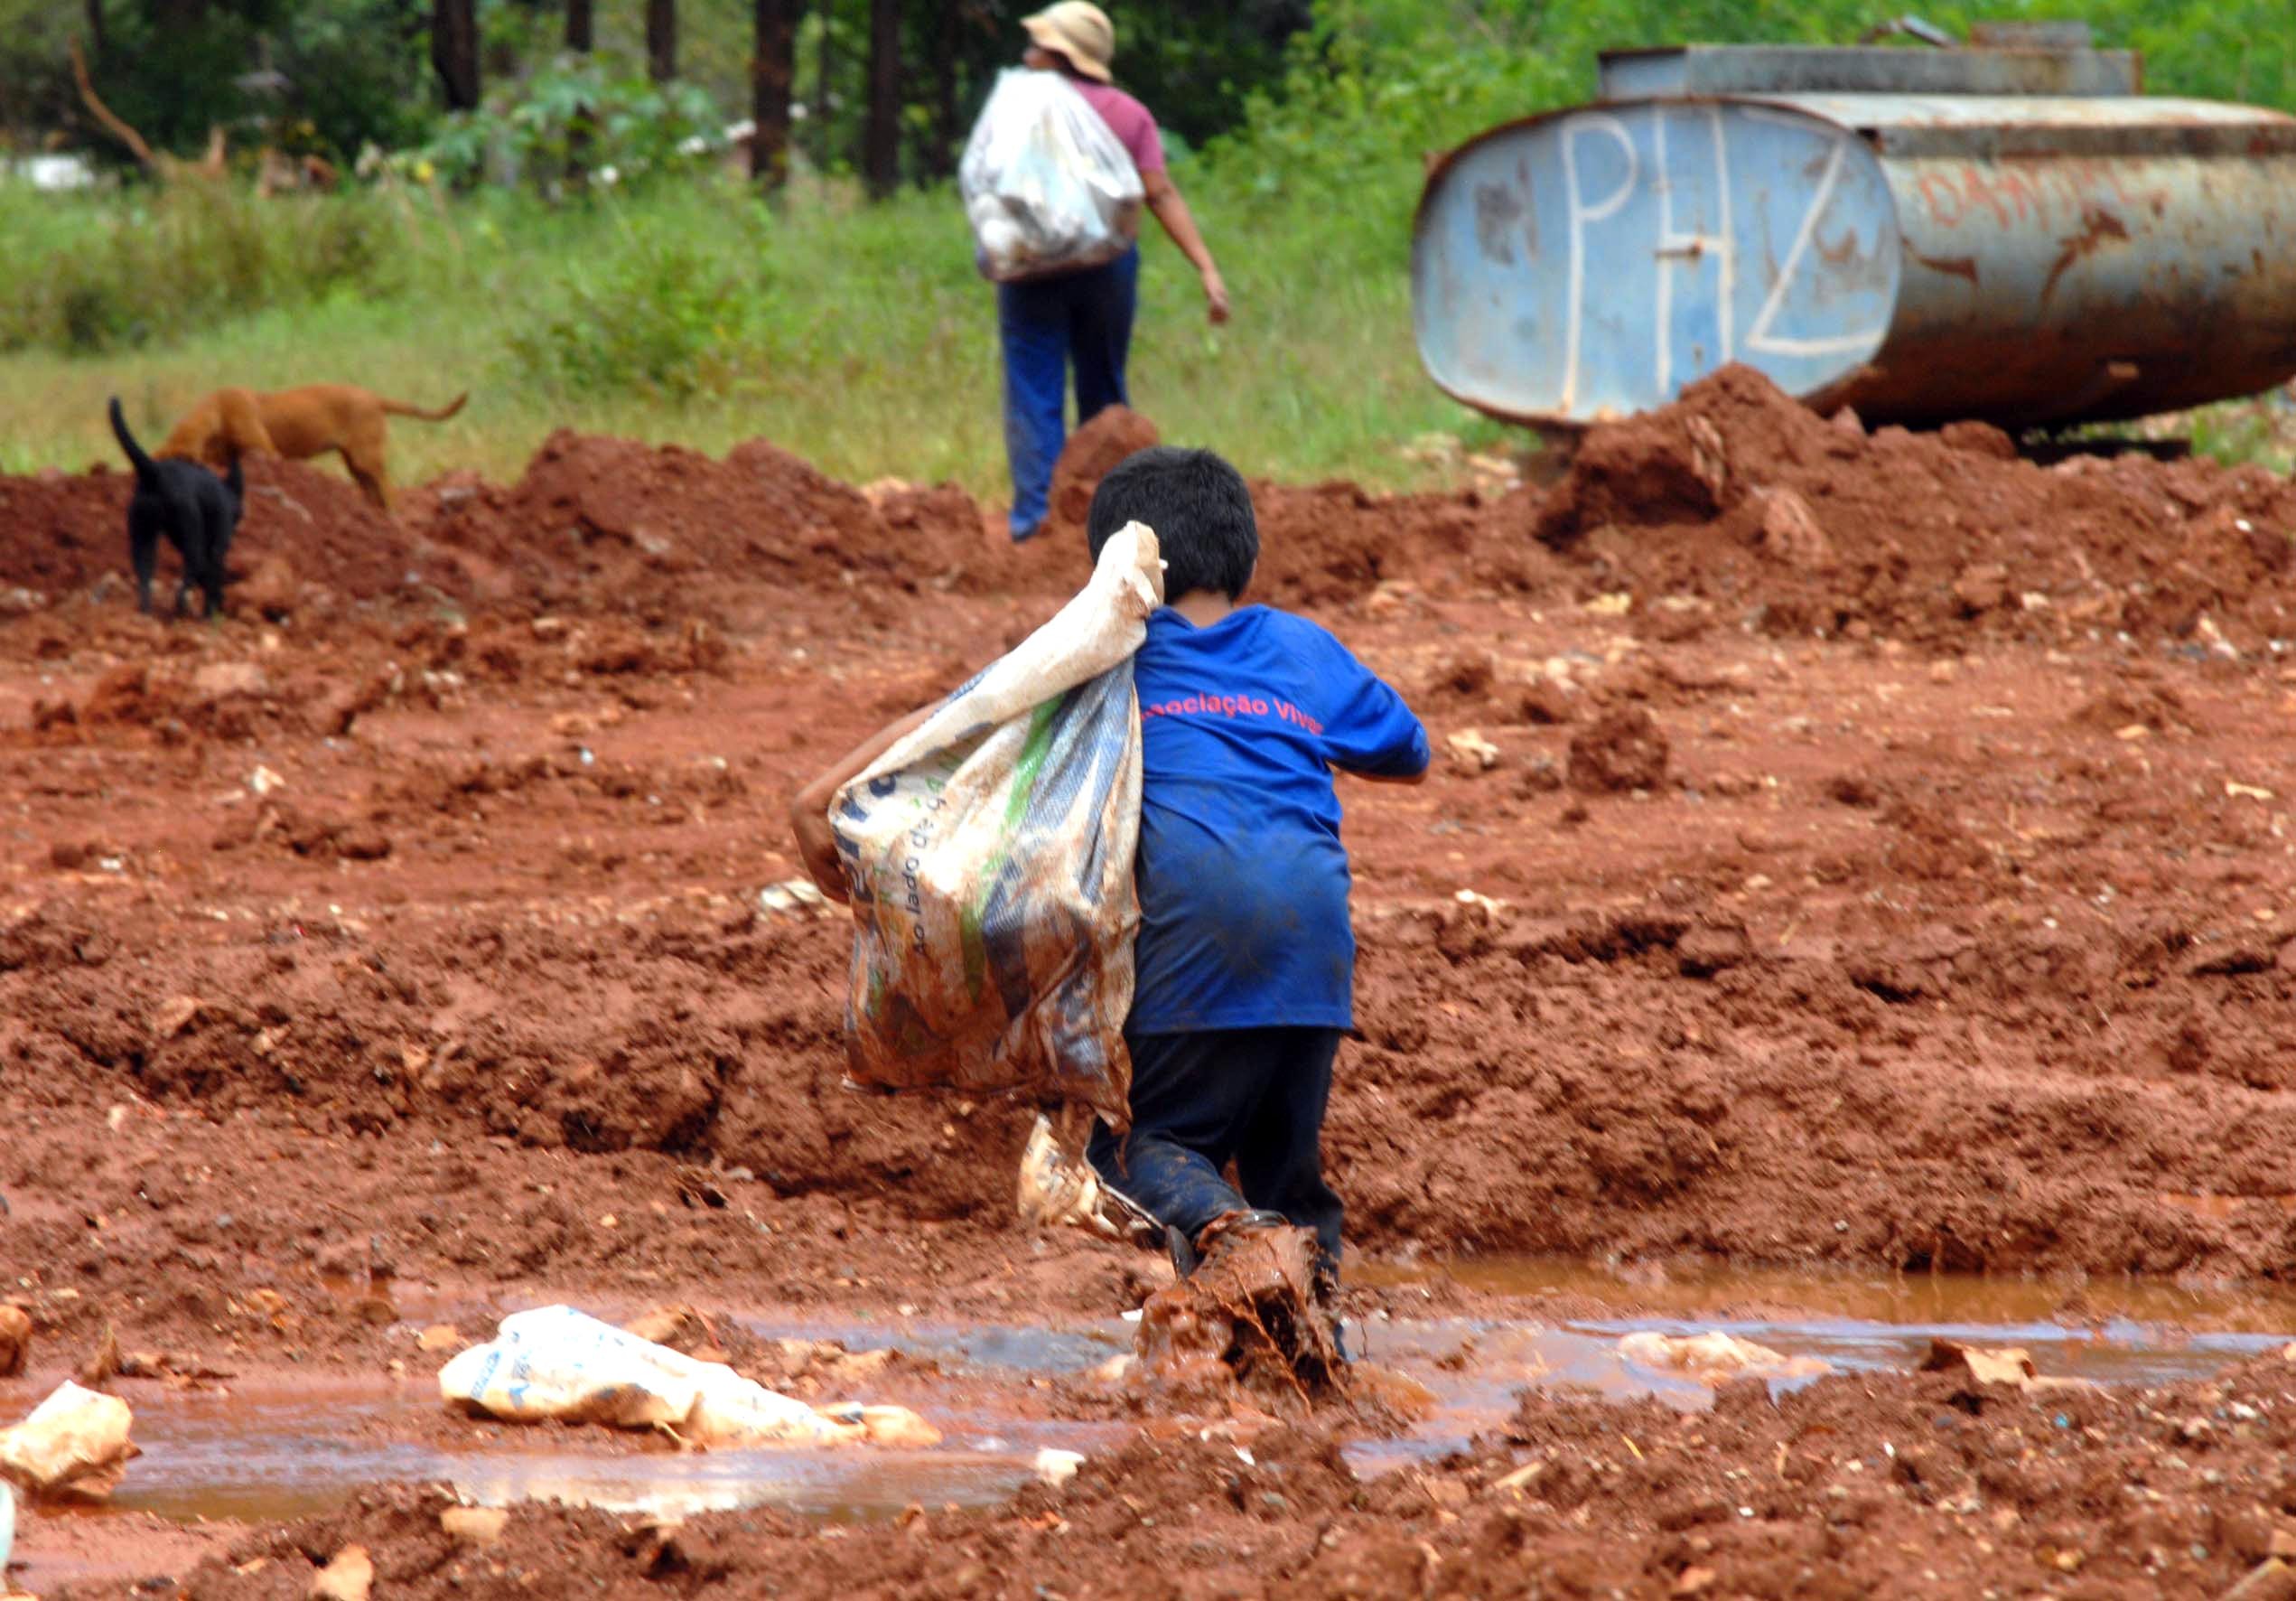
pixel 1083 318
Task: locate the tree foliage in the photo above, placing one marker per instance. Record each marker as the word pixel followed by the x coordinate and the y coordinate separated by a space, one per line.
pixel 1309 92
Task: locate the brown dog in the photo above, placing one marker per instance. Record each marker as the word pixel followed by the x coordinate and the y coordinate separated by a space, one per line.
pixel 298 423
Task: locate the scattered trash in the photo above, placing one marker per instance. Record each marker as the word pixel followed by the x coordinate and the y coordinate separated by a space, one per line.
pixel 263 781
pixel 439 1336
pixel 2236 791
pixel 74 1445
pixel 555 1362
pixel 1056 1188
pixel 350 1576
pixel 7 1529
pixel 1716 1358
pixel 2004 1364
pixel 1056 1467
pixel 473 1525
pixel 1616 604
pixel 1471 753
pixel 791 897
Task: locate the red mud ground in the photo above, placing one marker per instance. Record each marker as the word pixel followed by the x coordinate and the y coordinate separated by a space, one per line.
pixel 405 923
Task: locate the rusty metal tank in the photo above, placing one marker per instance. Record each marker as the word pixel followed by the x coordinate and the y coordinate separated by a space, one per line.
pixel 2018 235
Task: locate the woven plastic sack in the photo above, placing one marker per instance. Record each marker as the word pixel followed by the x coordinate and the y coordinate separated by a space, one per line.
pixel 1048 187
pixel 991 854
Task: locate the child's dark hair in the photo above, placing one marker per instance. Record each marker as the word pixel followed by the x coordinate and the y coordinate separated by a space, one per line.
pixel 1200 508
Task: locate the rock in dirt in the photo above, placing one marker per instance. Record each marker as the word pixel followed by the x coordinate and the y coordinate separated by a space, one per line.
pixel 1091 452
pixel 74 1445
pixel 1981 587
pixel 16 1341
pixel 1978 439
pixel 1621 751
pixel 473 1525
pixel 1465 678
pixel 1789 531
pixel 1249 1313
pixel 350 1576
pixel 271 590
pixel 1470 752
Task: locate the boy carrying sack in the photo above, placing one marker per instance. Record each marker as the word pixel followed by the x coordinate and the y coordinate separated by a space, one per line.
pixel 1244 963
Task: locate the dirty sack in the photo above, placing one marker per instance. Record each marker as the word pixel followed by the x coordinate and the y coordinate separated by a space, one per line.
pixel 555 1362
pixel 74 1445
pixel 1048 187
pixel 1715 1358
pixel 990 853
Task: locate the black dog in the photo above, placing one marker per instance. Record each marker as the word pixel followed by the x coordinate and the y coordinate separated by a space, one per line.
pixel 198 511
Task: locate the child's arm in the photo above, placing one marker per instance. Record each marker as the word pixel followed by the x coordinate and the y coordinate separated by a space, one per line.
pixel 810 812
pixel 1419 777
pixel 1371 733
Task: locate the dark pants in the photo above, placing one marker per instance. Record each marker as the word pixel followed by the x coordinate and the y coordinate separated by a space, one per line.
pixel 1253 1095
pixel 1046 323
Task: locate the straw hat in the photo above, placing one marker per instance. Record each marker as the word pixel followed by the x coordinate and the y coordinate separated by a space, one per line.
pixel 1079 31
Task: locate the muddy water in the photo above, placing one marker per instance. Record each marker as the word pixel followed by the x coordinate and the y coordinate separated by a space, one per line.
pixel 254 1455
pixel 257 1454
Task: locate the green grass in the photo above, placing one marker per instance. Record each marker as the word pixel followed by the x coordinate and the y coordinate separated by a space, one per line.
pixel 859 337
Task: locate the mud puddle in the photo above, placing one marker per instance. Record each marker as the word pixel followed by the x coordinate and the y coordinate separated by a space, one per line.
pixel 1700 1290
pixel 2118 1333
pixel 251 1456
pixel 255 1454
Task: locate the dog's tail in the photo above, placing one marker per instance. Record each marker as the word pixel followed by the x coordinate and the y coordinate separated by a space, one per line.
pixel 145 473
pixel 400 408
pixel 235 480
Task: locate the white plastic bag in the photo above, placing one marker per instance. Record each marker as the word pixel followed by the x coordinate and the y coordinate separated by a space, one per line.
pixel 1048 187
pixel 991 854
pixel 554 1362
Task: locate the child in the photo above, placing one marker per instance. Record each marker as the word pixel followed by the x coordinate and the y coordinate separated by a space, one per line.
pixel 1245 961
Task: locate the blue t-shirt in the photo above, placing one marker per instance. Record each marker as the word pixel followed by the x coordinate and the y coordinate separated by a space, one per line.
pixel 1243 879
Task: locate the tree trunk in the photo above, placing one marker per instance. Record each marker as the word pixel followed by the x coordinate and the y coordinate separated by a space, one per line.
pixel 824 79
pixel 96 40
pixel 773 70
pixel 881 139
pixel 581 35
pixel 454 51
pixel 940 155
pixel 661 40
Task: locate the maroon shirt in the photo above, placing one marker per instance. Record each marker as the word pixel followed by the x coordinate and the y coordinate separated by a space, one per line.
pixel 1129 120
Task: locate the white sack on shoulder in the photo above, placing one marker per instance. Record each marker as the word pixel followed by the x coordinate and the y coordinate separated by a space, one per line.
pixel 1048 186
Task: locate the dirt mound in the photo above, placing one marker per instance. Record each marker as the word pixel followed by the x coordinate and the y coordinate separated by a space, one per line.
pixel 1328 544
pixel 615 524
pixel 1093 452
pixel 1621 751
pixel 1736 493
pixel 304 525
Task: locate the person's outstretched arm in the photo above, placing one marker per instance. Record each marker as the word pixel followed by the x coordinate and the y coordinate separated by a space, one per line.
pixel 810 812
pixel 1171 211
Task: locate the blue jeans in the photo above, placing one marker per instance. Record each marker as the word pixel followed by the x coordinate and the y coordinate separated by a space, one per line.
pixel 1045 323
pixel 1253 1095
